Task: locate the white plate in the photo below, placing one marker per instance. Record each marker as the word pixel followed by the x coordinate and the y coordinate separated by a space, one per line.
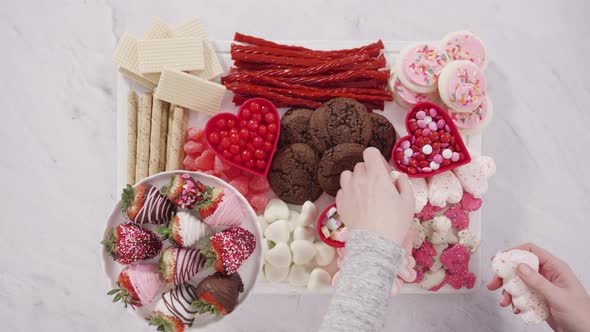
pixel 392 111
pixel 248 271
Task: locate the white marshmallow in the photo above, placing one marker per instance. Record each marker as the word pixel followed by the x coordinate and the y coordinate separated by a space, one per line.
pixel 308 215
pixel 303 251
pixel 331 212
pixel 304 233
pixel 532 306
pixel 275 210
pixel 319 279
pixel 432 279
pixel 325 254
pixel 279 255
pixel 279 231
pixel 299 276
pixel 333 224
pixel 275 274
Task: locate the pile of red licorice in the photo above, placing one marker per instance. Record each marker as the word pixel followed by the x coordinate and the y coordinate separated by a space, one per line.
pixel 292 76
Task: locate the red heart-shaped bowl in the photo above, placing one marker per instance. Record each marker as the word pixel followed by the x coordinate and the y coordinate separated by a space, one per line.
pixel 249 139
pixel 433 144
pixel 320 223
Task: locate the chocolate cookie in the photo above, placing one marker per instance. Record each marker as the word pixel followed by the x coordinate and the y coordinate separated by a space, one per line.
pixel 293 174
pixel 336 160
pixel 383 135
pixel 295 126
pixel 340 120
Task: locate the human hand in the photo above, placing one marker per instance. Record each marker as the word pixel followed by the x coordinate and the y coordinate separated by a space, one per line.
pixel 371 200
pixel 568 301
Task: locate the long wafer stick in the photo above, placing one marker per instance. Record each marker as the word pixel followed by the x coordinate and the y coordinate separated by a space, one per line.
pixel 177 137
pixel 131 136
pixel 143 136
pixel 169 137
pixel 163 137
pixel 155 132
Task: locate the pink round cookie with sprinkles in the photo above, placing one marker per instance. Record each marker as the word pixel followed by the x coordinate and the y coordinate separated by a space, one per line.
pixel 464 45
pixel 462 86
pixel 419 66
pixel 470 123
pixel 407 98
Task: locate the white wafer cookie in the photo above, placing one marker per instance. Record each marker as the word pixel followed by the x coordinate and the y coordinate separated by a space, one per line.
pixel 190 91
pixel 125 56
pixel 158 30
pixel 177 53
pixel 194 28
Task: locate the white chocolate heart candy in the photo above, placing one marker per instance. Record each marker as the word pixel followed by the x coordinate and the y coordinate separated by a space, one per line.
pixel 432 279
pixel 532 305
pixel 293 219
pixel 325 254
pixel 304 233
pixel 420 193
pixel 474 176
pixel 308 215
pixel 303 251
pixel 319 279
pixel 279 255
pixel 275 274
pixel 299 276
pixel 275 210
pixel 444 188
pixel 278 232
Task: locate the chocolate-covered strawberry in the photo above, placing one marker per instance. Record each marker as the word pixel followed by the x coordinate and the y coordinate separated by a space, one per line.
pixel 184 230
pixel 218 294
pixel 174 311
pixel 228 249
pixel 128 243
pixel 179 265
pixel 145 205
pixel 221 207
pixel 137 285
pixel 184 191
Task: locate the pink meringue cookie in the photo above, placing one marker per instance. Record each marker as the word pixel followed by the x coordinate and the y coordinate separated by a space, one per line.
pixel 147 281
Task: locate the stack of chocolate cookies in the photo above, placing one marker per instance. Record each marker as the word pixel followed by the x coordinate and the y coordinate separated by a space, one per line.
pixel 315 147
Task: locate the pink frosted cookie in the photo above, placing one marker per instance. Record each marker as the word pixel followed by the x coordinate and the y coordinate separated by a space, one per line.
pixel 473 122
pixel 474 176
pixel 462 86
pixel 407 98
pixel 419 66
pixel 464 45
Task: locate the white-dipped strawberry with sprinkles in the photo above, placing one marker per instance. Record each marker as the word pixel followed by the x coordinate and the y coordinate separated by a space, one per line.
pixel 433 144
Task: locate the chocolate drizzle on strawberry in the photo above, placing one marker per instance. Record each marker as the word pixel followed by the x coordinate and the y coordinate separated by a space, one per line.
pixel 184 191
pixel 178 302
pixel 188 263
pixel 157 208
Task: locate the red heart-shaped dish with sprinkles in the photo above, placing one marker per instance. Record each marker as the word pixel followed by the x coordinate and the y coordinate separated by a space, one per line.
pixel 247 140
pixel 433 144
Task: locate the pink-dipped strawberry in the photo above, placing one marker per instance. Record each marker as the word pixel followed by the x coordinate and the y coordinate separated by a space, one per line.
pixel 184 230
pixel 228 249
pixel 459 218
pixel 137 285
pixel 144 204
pixel 179 265
pixel 221 207
pixel 128 243
pixel 184 191
pixel 174 311
pixel 218 294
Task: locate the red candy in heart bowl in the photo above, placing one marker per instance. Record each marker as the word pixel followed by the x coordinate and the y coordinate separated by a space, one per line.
pixel 433 144
pixel 248 140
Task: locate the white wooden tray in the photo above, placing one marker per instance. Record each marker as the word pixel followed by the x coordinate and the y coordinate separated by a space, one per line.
pixel 392 112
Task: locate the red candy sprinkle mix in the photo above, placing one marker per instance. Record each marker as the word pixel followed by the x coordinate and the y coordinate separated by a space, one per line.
pixel 135 243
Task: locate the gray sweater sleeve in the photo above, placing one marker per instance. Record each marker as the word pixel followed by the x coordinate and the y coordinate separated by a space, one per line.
pixel 364 285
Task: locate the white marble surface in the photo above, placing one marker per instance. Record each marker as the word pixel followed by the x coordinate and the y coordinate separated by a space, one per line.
pixel 58 145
